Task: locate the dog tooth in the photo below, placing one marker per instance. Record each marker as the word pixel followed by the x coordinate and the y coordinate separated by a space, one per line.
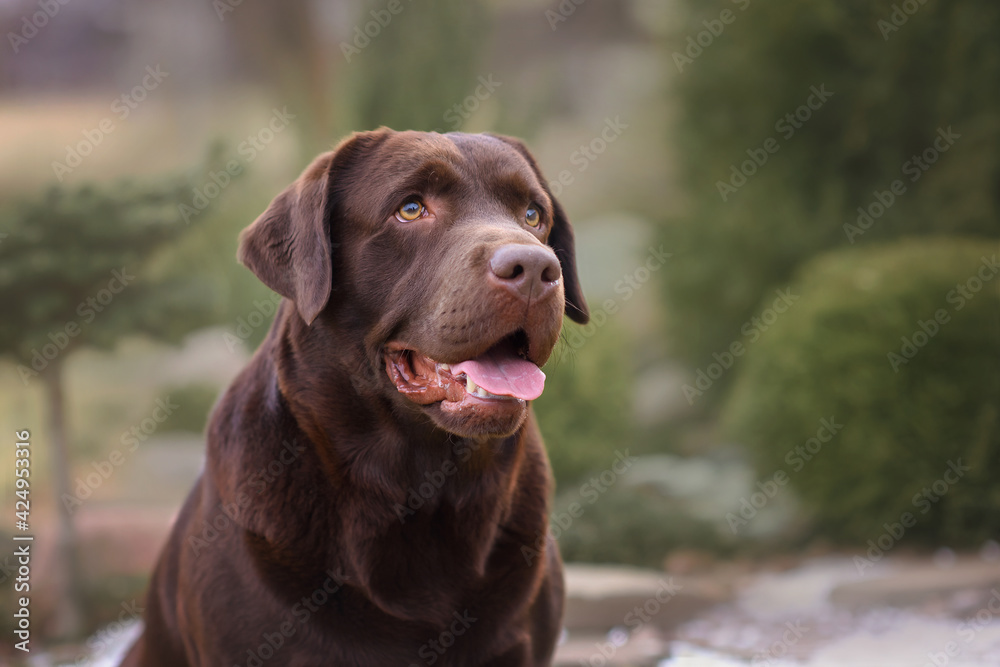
pixel 470 386
pixel 444 367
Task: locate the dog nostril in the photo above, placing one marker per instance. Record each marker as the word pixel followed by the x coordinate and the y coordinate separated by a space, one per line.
pixel 551 273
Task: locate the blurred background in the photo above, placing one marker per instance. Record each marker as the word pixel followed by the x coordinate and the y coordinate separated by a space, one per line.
pixel 784 412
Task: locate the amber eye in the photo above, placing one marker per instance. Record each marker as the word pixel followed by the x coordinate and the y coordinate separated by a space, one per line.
pixel 531 216
pixel 410 211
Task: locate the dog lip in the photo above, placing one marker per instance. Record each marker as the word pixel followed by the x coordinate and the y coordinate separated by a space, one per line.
pixel 419 388
pixel 424 380
pixel 523 342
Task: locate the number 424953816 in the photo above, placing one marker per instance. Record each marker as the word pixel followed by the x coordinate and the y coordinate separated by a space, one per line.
pixel 22 467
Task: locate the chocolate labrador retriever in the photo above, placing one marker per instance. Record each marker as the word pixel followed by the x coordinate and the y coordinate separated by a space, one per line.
pixel 376 488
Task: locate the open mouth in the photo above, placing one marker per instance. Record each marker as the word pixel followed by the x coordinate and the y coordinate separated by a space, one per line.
pixel 501 374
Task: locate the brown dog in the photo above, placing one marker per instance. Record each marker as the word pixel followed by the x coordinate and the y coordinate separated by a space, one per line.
pixel 376 489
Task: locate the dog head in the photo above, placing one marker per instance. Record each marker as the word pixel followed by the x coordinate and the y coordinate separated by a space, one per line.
pixel 445 256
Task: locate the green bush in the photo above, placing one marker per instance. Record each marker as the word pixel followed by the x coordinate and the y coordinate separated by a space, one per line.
pixel 892 89
pixel 584 413
pixel 630 525
pixel 194 402
pixel 862 347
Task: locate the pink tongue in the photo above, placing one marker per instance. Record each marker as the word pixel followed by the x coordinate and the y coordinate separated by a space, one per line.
pixel 504 373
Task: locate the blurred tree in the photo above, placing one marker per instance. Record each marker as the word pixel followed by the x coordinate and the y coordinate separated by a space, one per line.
pixel 395 64
pixel 283 43
pixel 881 380
pixel 78 268
pixel 418 67
pixel 583 413
pixel 885 82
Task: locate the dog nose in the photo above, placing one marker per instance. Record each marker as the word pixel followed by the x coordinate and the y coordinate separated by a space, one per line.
pixel 529 271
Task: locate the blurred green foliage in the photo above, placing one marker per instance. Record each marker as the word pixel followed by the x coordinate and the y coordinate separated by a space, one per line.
pixel 194 402
pixel 899 344
pixel 634 525
pixel 583 413
pixel 79 269
pixel 892 90
pixel 418 66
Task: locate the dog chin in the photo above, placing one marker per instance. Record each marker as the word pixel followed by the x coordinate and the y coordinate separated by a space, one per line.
pixel 479 418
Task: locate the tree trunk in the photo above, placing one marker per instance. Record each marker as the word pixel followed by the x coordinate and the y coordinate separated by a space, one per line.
pixel 66 580
pixel 284 42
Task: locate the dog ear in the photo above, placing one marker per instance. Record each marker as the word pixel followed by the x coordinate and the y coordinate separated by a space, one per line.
pixel 288 246
pixel 560 240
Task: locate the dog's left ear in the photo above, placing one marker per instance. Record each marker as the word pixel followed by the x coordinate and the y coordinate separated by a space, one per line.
pixel 288 246
pixel 560 239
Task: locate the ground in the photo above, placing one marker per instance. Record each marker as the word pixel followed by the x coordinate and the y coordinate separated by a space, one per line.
pixel 827 611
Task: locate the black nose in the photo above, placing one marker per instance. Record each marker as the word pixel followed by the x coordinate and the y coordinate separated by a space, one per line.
pixel 530 271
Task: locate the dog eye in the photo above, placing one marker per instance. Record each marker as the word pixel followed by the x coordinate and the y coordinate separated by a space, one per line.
pixel 531 216
pixel 410 211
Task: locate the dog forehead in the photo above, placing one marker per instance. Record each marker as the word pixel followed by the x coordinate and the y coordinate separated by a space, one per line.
pixel 490 154
pixel 469 166
pixel 476 157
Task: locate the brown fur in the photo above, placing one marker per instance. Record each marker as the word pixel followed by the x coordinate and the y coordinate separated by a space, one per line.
pixel 312 451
